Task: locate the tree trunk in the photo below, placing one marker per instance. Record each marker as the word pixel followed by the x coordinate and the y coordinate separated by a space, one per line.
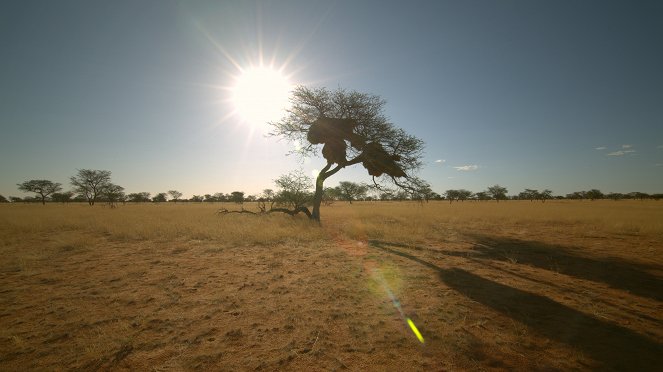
pixel 317 197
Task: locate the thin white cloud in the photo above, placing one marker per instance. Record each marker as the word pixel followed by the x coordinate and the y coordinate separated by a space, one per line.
pixel 627 146
pixel 659 147
pixel 600 148
pixel 451 177
pixel 467 168
pixel 620 153
pixel 658 165
pixel 440 161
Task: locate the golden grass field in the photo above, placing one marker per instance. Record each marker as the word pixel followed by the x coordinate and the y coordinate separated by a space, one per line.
pixel 517 285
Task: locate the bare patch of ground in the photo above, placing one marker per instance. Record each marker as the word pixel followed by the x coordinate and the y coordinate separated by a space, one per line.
pixel 483 299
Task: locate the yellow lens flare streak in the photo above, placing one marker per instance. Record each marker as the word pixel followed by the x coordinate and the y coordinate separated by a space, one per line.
pixel 415 330
pixel 397 305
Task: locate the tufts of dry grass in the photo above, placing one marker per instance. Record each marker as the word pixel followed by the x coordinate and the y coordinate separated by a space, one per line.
pixel 491 286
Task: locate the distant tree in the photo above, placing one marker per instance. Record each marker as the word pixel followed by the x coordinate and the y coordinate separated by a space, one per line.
pixel 529 194
pixel 352 129
pixel 196 198
pixel 639 195
pixel 545 195
pixel 3 199
pixel 250 198
pixel 209 198
pixel 43 188
pixel 464 194
pixel 387 195
pixel 451 195
pixel 266 198
pixel 615 196
pixel 175 195
pixel 294 189
pixel 482 195
pixel 139 197
pixel 62 197
pixel 350 191
pixel 424 193
pixel 160 198
pixel 237 197
pixel 221 197
pixel 15 199
pixel 578 195
pixel 497 192
pixel 594 194
pixel 78 198
pixel 112 194
pixel 90 183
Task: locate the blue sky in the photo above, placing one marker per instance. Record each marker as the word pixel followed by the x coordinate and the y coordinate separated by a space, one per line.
pixel 565 95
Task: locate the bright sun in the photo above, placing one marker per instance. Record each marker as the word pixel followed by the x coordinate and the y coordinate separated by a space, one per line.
pixel 260 94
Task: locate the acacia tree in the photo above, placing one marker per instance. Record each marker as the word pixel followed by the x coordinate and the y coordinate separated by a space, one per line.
pixel 236 197
pixel 62 197
pixel 43 188
pixel 90 183
pixel 160 198
pixel 497 192
pixel 112 194
pixel 294 190
pixel 175 195
pixel 351 191
pixel 352 129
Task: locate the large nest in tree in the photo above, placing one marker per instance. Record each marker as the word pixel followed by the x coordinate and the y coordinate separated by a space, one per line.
pixel 378 161
pixel 333 133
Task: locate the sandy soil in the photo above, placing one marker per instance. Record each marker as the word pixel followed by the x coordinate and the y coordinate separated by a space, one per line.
pixel 482 301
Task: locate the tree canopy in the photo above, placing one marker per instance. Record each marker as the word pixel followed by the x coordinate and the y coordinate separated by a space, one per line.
pixel 347 128
pixel 43 188
pixel 91 183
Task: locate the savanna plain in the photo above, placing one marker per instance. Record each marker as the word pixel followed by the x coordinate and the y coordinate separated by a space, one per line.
pixel 516 285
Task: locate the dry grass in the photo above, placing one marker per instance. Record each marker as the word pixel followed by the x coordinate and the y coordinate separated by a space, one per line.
pixel 515 285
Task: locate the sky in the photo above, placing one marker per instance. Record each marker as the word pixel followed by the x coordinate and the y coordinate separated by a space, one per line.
pixel 560 95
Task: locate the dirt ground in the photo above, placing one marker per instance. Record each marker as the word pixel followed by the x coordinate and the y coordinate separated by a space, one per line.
pixel 524 296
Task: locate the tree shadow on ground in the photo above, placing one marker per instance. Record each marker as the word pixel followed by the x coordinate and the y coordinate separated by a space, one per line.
pixel 613 346
pixel 614 272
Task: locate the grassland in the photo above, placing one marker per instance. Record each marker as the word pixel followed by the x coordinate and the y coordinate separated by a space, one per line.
pixel 561 285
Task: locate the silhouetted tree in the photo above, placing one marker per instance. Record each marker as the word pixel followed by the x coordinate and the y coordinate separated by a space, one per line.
pixel 594 194
pixel 160 198
pixel 3 199
pixel 578 195
pixel 451 195
pixel 639 195
pixel 352 129
pixel 62 197
pixel 90 183
pixel 482 195
pixel 529 194
pixel 139 197
pixel 175 195
pixel 43 188
pixel 497 192
pixel 196 198
pixel 464 194
pixel 545 195
pixel 15 199
pixel 237 197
